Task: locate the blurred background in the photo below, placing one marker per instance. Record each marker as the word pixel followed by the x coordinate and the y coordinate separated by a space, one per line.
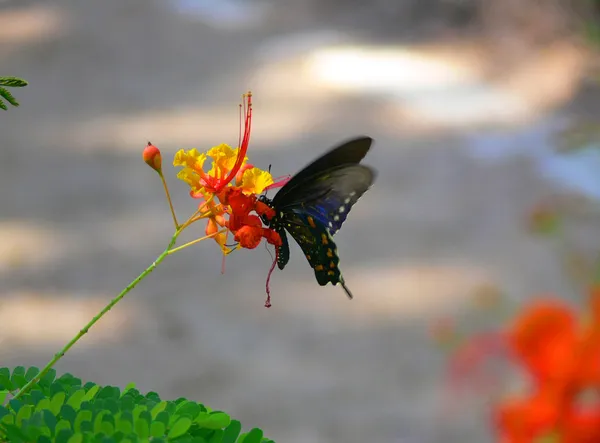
pixel 468 102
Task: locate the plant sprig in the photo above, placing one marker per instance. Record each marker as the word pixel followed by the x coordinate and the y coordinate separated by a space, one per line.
pixel 10 82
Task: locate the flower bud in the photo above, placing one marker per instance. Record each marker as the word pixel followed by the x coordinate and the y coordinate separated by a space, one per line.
pixel 151 156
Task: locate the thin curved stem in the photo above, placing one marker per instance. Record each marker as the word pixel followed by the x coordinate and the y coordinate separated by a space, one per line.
pixel 164 182
pixel 101 314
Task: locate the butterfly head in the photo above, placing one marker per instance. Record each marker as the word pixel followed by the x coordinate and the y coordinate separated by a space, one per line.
pixel 267 201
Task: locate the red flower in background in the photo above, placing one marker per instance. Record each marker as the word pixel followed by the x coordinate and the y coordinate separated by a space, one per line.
pixel 561 352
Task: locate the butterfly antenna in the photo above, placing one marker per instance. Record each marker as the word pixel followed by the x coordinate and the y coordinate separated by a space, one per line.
pixel 224 255
pixel 348 293
pixel 266 190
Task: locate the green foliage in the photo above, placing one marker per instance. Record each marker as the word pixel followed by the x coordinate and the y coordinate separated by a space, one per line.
pixel 63 410
pixel 9 82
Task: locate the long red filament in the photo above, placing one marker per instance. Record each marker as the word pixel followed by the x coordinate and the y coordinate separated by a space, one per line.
pixel 243 148
pixel 268 301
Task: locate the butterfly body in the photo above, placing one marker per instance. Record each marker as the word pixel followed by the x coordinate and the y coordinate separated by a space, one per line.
pixel 314 203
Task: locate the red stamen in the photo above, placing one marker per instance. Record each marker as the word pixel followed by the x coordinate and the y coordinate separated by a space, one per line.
pixel 240 126
pixel 268 301
pixel 243 147
pixel 279 182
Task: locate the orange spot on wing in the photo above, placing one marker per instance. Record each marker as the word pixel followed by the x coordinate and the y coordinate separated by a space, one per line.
pixel 319 268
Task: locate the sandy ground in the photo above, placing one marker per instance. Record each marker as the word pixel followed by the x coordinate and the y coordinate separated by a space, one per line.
pixel 81 216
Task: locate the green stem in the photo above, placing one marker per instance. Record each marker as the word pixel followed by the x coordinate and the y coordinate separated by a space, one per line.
pixel 93 321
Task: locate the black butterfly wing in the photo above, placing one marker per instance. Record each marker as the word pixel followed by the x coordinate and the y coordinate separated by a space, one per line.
pixel 283 251
pixel 329 195
pixel 350 152
pixel 318 246
pixel 314 204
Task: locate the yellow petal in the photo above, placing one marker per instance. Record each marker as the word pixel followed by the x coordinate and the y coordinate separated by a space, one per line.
pixel 224 158
pixel 190 159
pixel 190 177
pixel 255 180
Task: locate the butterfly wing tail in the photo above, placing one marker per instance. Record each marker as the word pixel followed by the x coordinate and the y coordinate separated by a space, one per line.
pixel 348 293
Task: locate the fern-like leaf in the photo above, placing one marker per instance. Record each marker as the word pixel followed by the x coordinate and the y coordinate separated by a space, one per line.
pixel 13 82
pixel 10 82
pixel 5 94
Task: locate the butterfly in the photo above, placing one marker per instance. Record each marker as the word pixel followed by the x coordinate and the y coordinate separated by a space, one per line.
pixel 314 203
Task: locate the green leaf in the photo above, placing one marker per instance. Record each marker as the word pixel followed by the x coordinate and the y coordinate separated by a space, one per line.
pixel 217 436
pixel 67 412
pixel 111 405
pixel 44 404
pixel 109 392
pixel 214 420
pixel 55 387
pixel 77 438
pixel 5 108
pixel 48 377
pixel 4 93
pixel 153 396
pixel 232 432
pixel 188 409
pixel 137 410
pixel 142 428
pixel 3 412
pixel 14 434
pixel 8 419
pixel 181 427
pixel 23 414
pixel 163 417
pixel 3 394
pixel 57 402
pixel 145 415
pixel 157 429
pixel 14 82
pixel 127 403
pixel 254 436
pixel 108 428
pixel 98 421
pixel 76 398
pixel 82 416
pixel 63 436
pixel 62 425
pixel 15 404
pixel 91 393
pixel 158 409
pixel 124 426
pixel 5 382
pixel 36 396
pixel 50 420
pixel 18 370
pixel 86 427
pixel 129 387
pixel 31 373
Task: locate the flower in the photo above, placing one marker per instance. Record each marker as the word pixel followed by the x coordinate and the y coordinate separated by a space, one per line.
pixel 229 189
pixel 561 352
pixel 227 164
